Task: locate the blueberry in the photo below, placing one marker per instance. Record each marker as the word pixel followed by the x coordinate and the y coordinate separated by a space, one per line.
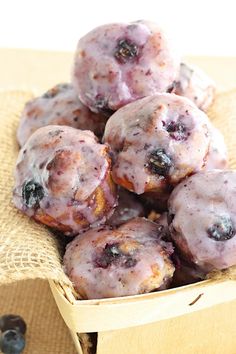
pixel 111 254
pixel 108 256
pixel 222 230
pixel 125 51
pixel 159 162
pixel 12 342
pixel 32 193
pixel 177 130
pixel 12 322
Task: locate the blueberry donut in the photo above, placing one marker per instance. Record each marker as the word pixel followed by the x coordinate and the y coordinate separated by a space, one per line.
pixel 119 63
pixel 63 179
pixel 156 142
pixel 58 106
pixel 128 207
pixel 194 84
pixel 131 259
pixel 203 219
pixel 218 155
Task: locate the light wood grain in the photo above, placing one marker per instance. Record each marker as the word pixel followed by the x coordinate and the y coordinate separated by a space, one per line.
pixel 211 331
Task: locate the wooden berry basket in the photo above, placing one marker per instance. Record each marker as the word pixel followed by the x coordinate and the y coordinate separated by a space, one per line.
pixel 136 319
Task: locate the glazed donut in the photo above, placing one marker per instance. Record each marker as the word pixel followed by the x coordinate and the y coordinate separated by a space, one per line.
pixel 62 179
pixel 156 142
pixel 119 63
pixel 203 219
pixel 58 106
pixel 129 260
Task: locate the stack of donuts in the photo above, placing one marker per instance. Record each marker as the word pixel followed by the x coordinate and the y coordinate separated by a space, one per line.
pixel 124 161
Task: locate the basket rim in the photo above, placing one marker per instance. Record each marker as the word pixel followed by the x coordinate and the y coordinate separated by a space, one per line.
pixel 70 295
pixel 87 316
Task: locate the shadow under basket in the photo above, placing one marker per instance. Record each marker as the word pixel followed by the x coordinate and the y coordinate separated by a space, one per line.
pixel 133 324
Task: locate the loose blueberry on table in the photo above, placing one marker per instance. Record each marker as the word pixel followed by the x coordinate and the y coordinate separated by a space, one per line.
pixel 12 342
pixel 12 329
pixel 12 322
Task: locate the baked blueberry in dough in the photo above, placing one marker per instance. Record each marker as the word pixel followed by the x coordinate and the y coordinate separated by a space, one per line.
pixel 128 260
pixel 156 142
pixel 63 179
pixel 194 84
pixel 58 106
pixel 202 212
pixel 119 63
